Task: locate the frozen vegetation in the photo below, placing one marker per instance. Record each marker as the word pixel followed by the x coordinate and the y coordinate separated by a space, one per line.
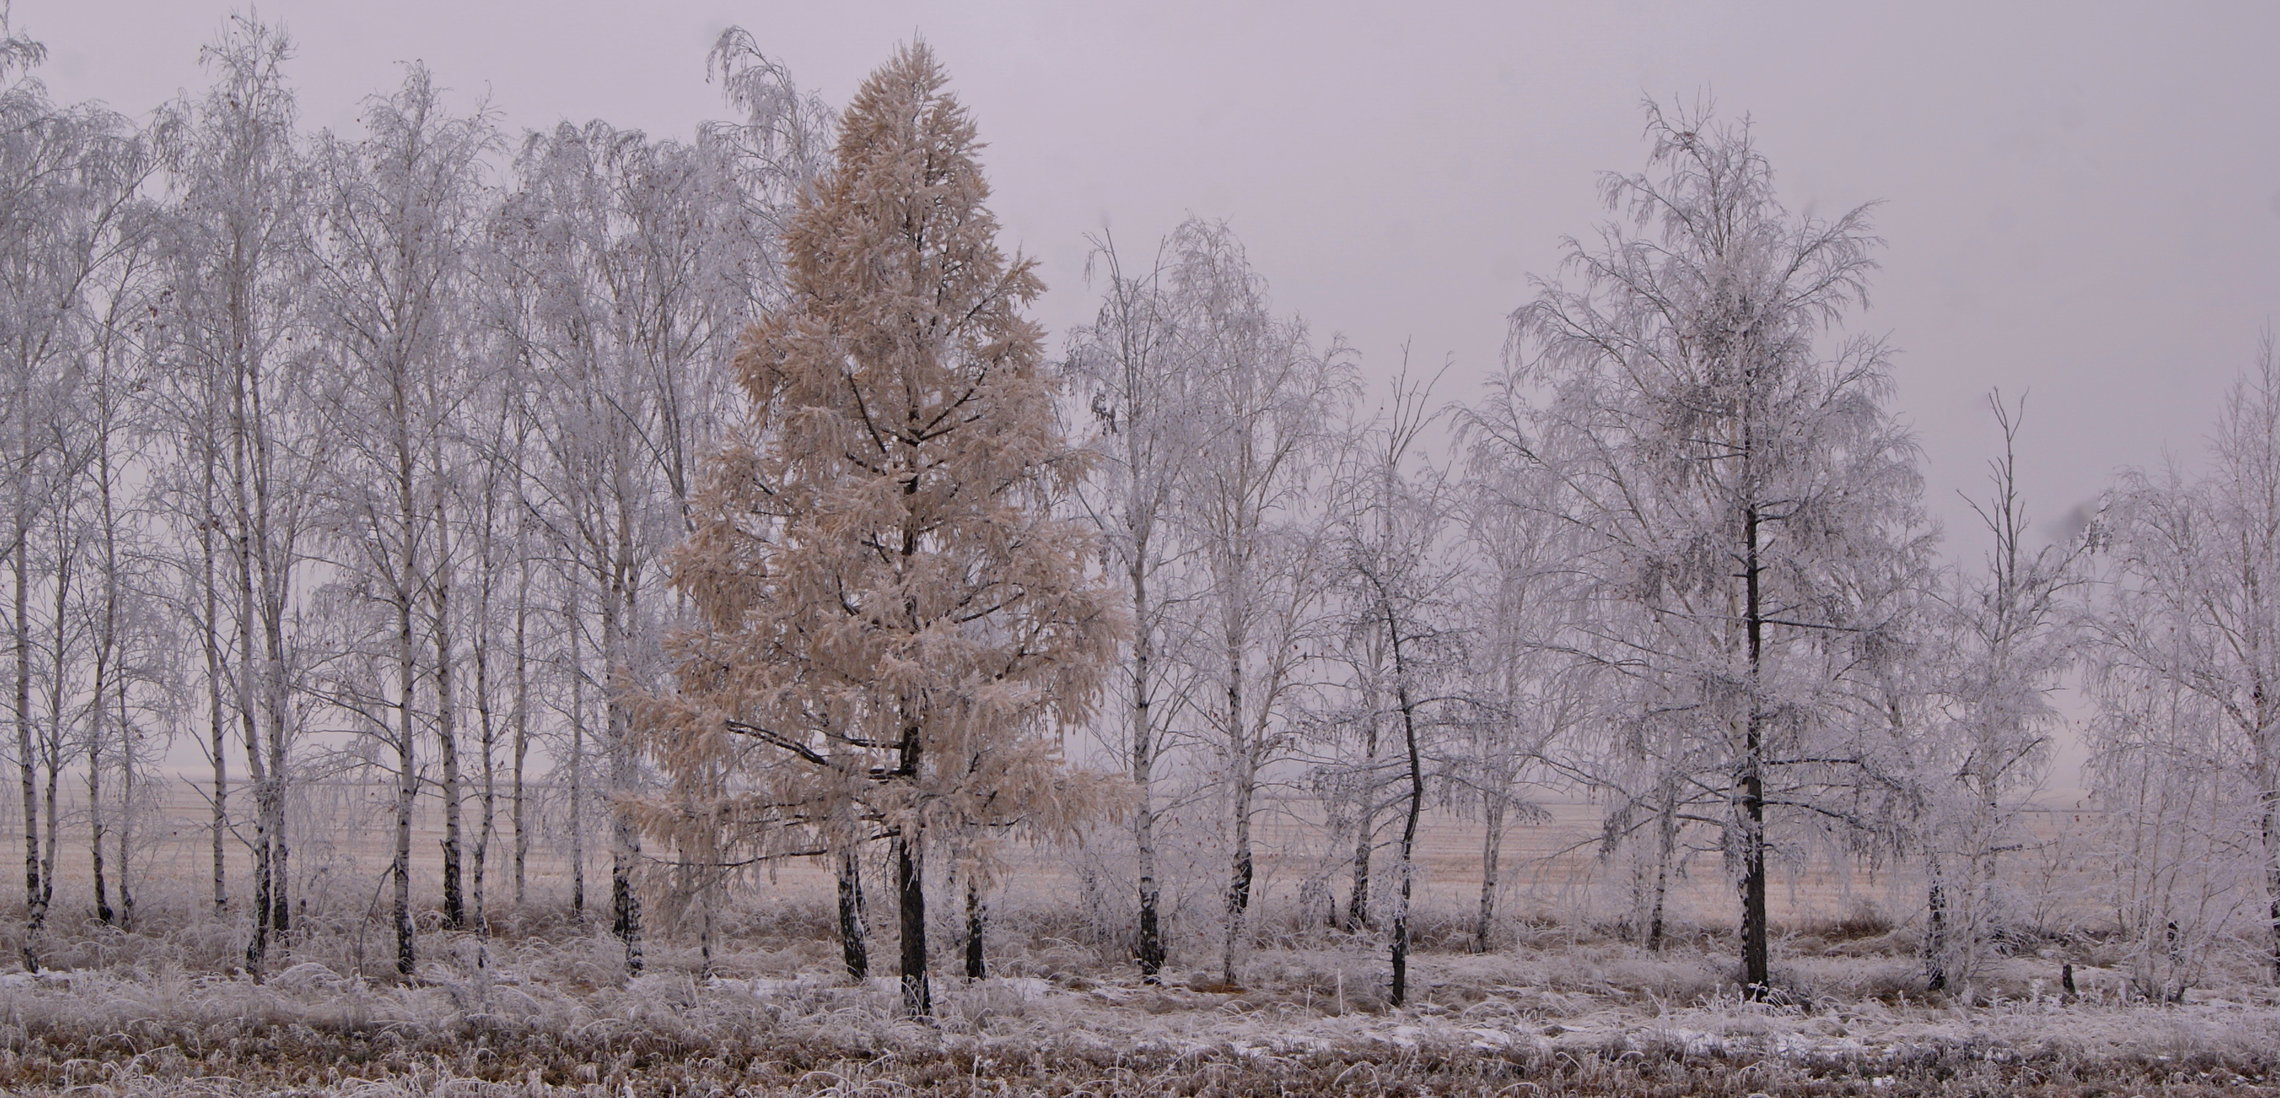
pixel 545 1009
pixel 397 527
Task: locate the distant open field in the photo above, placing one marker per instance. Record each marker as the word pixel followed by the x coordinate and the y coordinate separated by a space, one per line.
pixel 1556 880
pixel 1553 870
pixel 1566 1005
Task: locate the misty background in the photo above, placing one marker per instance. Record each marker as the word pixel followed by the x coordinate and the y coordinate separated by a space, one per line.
pixel 2080 202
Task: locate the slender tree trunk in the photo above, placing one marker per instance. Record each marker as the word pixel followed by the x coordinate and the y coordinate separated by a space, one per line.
pixel 521 729
pixel 1491 867
pixel 274 791
pixel 1239 880
pixel 125 840
pixel 263 577
pixel 52 734
pixel 126 812
pixel 1407 868
pixel 577 765
pixel 109 668
pixel 209 635
pixel 257 766
pixel 487 740
pixel 1149 949
pixel 218 743
pixel 407 785
pixel 1358 899
pixel 97 823
pixel 27 762
pixel 1756 977
pixel 2270 829
pixel 707 904
pixel 52 765
pixel 1666 853
pixel 97 828
pixel 1245 780
pixel 853 950
pixel 480 638
pixel 975 909
pixel 910 903
pixel 54 749
pixel 2266 739
pixel 910 877
pixel 486 719
pixel 49 788
pixel 625 838
pixel 1756 956
pixel 447 736
pixel 51 741
pixel 1365 828
pixel 1935 924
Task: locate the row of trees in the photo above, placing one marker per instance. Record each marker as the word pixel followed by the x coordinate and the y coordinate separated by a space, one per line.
pixel 412 454
pixel 360 453
pixel 1676 561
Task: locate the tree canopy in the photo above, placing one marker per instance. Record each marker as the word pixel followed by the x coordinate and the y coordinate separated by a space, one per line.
pixel 888 600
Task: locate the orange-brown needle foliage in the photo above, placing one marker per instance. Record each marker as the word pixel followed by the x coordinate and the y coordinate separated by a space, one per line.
pixel 894 622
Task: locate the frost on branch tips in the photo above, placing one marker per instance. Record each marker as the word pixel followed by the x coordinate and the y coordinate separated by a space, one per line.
pixel 893 620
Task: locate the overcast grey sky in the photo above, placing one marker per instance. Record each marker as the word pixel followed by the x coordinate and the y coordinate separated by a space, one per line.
pixel 2080 200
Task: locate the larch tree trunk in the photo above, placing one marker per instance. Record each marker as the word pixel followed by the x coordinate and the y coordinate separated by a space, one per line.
pixel 910 917
pixel 976 963
pixel 854 952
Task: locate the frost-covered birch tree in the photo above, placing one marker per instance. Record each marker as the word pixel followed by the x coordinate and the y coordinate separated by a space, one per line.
pixel 1726 449
pixel 1265 405
pixel 126 709
pixel 1396 591
pixel 2185 671
pixel 2004 640
pixel 237 259
pixel 399 213
pixel 69 175
pixel 1135 368
pixel 1529 693
pixel 636 261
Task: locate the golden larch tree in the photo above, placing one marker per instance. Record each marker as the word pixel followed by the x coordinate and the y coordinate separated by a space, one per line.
pixel 893 622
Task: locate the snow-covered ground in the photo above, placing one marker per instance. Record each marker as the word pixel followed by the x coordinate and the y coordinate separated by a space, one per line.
pixel 1589 1018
